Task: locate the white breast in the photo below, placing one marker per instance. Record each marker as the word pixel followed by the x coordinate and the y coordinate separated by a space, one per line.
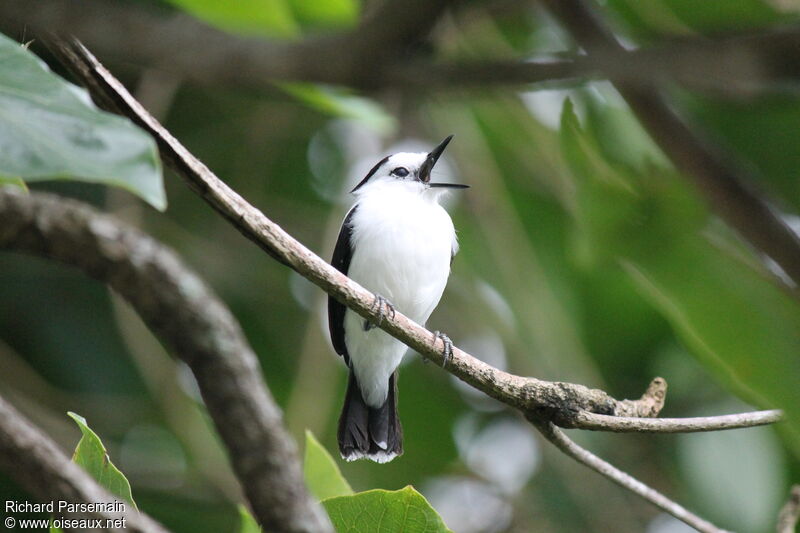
pixel 402 245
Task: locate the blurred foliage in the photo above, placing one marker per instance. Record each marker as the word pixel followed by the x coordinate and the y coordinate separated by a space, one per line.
pixel 339 103
pixel 584 257
pixel 264 17
pixel 273 18
pixel 322 476
pixel 723 305
pixel 247 524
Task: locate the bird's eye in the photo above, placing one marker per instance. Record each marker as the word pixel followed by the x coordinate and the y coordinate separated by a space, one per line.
pixel 400 172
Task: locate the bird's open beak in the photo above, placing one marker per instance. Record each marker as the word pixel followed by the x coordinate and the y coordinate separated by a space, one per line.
pixel 427 167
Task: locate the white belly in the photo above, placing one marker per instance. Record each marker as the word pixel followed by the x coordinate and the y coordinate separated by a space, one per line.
pixel 402 245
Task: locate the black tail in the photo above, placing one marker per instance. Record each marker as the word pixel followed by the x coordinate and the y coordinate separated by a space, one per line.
pixel 366 432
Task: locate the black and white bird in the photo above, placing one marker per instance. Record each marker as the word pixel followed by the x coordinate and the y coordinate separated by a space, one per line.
pixel 398 242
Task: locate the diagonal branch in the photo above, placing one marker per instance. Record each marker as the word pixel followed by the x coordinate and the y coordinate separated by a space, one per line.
pixel 550 399
pixel 199 329
pixel 587 458
pixel 727 189
pixel 563 403
pixel 34 461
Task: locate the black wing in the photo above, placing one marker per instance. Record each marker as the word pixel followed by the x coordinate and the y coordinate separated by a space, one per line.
pixel 341 261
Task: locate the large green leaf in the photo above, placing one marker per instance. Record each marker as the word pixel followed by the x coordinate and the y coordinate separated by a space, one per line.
pixel 50 129
pixel 716 294
pixel 92 456
pixel 384 511
pixel 271 18
pixel 322 475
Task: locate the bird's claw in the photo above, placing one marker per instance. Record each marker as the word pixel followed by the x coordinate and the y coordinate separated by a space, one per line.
pixel 379 305
pixel 447 351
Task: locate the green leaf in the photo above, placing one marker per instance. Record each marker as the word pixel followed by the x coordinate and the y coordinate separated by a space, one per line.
pixel 383 511
pixel 13 182
pixel 269 18
pixel 619 135
pixel 247 524
pixel 325 13
pixel 50 129
pixel 322 475
pixel 92 456
pixel 341 103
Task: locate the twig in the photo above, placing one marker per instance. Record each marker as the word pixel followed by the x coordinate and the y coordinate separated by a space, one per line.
pixel 585 457
pixel 790 512
pixel 556 401
pixel 726 188
pixel 188 317
pixel 593 421
pixel 34 461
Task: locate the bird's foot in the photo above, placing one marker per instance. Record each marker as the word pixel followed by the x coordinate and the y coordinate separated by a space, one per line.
pixel 447 351
pixel 383 307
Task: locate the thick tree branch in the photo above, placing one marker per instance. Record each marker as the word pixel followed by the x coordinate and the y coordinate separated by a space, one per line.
pixel 424 75
pixel 735 66
pixel 34 461
pixel 585 457
pixel 560 402
pixel 790 512
pixel 197 327
pixel 195 51
pixel 725 187
pixel 382 52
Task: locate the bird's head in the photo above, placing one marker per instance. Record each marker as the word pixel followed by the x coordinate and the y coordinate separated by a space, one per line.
pixel 413 169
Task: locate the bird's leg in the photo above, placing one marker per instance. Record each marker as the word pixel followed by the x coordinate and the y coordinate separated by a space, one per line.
pixel 380 305
pixel 447 351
